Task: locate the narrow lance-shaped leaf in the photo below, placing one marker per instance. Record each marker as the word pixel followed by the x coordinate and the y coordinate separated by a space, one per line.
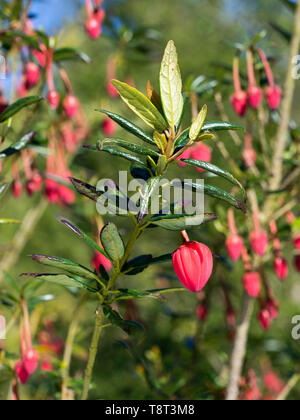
pixel 83 236
pixel 129 126
pixel 112 242
pixel 141 106
pixel 63 280
pixel 66 54
pixel 182 222
pixel 150 188
pixel 18 106
pixel 85 189
pixel 119 153
pixel 215 170
pixel 132 147
pixel 198 124
pixel 171 85
pixel 9 221
pixel 65 264
pixel 216 193
pixel 18 145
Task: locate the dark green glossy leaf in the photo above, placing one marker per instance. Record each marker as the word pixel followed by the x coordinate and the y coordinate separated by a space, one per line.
pixel 182 222
pixel 83 236
pixel 65 264
pixel 152 294
pixel 132 147
pixel 121 154
pixel 129 126
pixel 150 188
pixel 66 54
pixel 215 170
pixel 140 172
pixel 63 280
pixel 115 318
pixel 8 36
pixel 86 189
pixel 112 242
pixel 18 145
pixel 18 106
pixel 3 188
pixel 216 193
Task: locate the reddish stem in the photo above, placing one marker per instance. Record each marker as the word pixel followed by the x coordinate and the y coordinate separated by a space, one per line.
pixel 250 66
pixel 231 223
pixel 248 141
pixel 26 164
pixel 267 67
pixel 236 74
pixel 27 326
pixel 246 259
pixel 89 8
pixel 66 81
pixel 185 236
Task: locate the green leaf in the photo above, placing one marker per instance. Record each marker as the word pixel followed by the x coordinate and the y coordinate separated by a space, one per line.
pixel 129 126
pixel 120 153
pixel 83 236
pixel 216 193
pixel 153 294
pixel 198 124
pixel 132 147
pixel 139 264
pixel 18 145
pixel 66 54
pixel 12 282
pixel 221 126
pixel 64 264
pixel 171 85
pixel 63 280
pixel 215 170
pixel 18 106
pixel 183 139
pixel 112 242
pixel 182 221
pixel 86 189
pixel 28 40
pixel 148 190
pixel 115 319
pixel 141 106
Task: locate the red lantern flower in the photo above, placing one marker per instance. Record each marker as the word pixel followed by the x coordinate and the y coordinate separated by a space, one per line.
pixel 252 284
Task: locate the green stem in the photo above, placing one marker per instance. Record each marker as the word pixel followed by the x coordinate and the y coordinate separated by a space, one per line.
pixel 92 354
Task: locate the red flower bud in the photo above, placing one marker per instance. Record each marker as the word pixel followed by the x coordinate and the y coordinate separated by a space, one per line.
pixel 51 191
pixel 255 96
pixel 259 242
pixel 193 264
pixel 111 90
pixel 234 245
pixel 34 184
pixel 297 262
pixel 201 312
pixel 70 105
pixel 41 56
pixel 108 127
pixel 30 360
pixel 100 15
pixel 53 98
pixel 239 102
pixel 264 319
pixel 100 259
pixel 21 373
pixel 32 73
pixel 46 367
pixel 272 306
pixel 297 242
pixel 185 155
pixel 201 152
pixel 93 27
pixel 252 285
pixel 273 96
pixel 281 268
pixel 273 383
pixel 17 189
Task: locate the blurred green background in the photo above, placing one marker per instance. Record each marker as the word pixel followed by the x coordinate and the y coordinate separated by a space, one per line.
pixel 199 29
